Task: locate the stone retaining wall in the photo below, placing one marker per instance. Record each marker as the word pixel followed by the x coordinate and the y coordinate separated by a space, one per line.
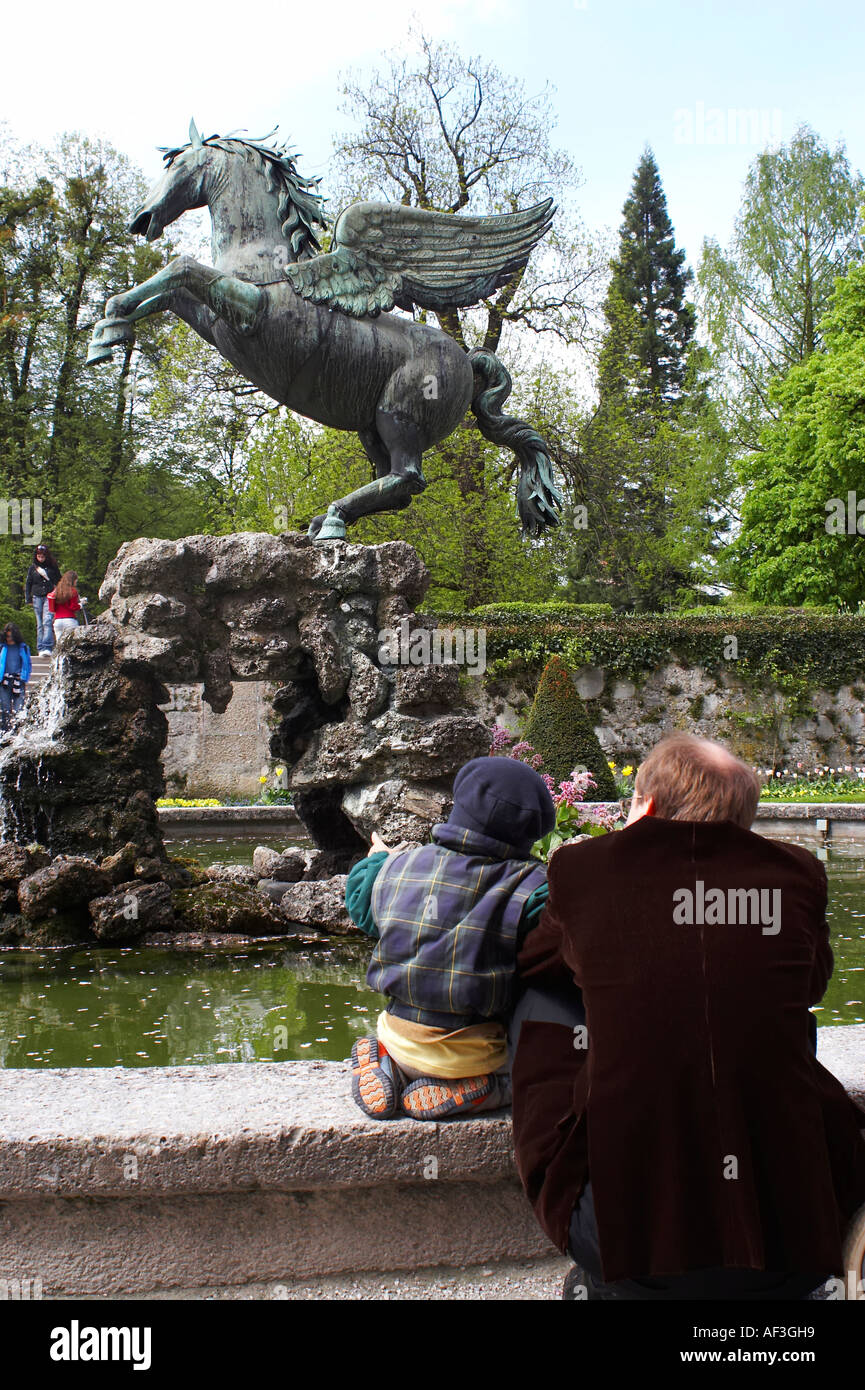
pixel 209 753
pixel 172 1178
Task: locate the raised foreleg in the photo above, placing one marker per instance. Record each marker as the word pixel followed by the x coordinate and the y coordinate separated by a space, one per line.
pixel 235 301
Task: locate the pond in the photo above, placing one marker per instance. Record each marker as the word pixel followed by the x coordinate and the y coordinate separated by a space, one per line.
pixel 266 1001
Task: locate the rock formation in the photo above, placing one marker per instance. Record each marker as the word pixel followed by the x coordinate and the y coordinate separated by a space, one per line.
pixel 369 742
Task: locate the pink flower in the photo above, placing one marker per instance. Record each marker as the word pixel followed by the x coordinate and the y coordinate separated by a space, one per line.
pixel 501 737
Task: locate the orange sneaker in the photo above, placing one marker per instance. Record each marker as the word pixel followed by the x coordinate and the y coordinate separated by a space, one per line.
pixel 432 1098
pixel 375 1083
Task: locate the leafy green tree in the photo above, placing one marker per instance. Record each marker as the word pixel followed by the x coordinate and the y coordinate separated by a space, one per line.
pixel 84 444
pixel 764 298
pixel 650 472
pixel 803 536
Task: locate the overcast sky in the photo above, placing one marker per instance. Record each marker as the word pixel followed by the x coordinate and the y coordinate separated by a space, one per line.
pixel 626 72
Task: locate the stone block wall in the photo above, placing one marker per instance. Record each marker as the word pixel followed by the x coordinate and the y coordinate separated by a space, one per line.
pixel 209 754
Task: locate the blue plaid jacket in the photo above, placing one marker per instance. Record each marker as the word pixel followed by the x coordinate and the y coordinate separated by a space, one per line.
pixel 448 917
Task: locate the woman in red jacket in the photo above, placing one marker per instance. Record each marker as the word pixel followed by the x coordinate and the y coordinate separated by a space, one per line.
pixel 64 602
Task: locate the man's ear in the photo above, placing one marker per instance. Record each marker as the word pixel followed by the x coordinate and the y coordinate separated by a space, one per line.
pixel 650 807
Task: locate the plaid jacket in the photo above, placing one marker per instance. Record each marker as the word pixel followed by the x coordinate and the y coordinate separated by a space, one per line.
pixel 448 915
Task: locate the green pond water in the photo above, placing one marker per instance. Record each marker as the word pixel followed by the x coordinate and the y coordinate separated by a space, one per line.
pixel 269 1001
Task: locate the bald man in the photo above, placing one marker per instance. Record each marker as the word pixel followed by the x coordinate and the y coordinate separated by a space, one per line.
pixel 674 1130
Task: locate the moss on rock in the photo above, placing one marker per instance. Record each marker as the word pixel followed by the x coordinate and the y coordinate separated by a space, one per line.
pixel 226 907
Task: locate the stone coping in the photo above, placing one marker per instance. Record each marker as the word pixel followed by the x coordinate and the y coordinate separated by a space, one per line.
pixel 228 815
pixel 817 810
pixel 767 810
pixel 250 1127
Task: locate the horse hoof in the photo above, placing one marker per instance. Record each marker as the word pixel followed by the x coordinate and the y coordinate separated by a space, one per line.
pixel 332 528
pixel 314 527
pixel 109 334
pixel 96 353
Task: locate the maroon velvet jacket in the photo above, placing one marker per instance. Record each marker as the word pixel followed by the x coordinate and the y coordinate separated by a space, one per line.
pixel 698 1062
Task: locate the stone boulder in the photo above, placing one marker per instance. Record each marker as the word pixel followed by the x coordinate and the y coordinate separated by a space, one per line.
pixel 226 907
pixel 397 809
pixel 231 873
pixel 19 861
pixel 59 929
pixel 70 882
pixel 134 908
pixel 287 867
pixel 324 863
pixel 320 904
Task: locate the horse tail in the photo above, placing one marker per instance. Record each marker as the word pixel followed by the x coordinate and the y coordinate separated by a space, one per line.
pixel 538 498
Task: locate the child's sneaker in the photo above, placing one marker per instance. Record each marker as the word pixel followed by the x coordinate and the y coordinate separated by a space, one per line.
pixel 375 1081
pixel 431 1098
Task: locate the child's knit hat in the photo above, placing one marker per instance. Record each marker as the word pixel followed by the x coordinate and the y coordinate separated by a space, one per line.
pixel 503 798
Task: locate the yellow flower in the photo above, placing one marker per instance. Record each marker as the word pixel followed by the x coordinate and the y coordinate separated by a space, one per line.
pixel 279 771
pixel 611 766
pixel 263 777
pixel 627 771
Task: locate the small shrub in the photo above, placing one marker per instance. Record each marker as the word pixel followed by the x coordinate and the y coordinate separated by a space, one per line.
pixel 559 728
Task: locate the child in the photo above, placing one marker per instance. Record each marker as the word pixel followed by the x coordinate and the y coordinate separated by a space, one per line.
pixel 450 917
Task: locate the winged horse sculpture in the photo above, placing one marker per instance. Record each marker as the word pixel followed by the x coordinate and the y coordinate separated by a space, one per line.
pixel 314 330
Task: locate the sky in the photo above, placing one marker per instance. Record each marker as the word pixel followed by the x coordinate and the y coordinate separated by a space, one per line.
pixel 625 73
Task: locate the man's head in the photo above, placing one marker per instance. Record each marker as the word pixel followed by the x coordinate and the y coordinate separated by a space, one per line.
pixel 688 778
pixel 503 798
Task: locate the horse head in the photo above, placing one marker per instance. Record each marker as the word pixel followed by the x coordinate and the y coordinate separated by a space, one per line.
pixel 182 186
pixel 263 212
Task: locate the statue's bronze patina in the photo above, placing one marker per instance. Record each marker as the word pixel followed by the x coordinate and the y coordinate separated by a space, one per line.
pixel 313 330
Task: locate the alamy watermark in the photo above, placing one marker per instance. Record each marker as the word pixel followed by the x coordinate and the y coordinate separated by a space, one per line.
pixel 845 516
pixel 702 906
pixel 737 125
pixel 436 646
pixel 21 516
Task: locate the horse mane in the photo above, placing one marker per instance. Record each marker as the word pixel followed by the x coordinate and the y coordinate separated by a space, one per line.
pixel 300 209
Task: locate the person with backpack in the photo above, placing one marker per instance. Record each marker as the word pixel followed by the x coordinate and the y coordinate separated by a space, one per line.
pixel 15 669
pixel 42 576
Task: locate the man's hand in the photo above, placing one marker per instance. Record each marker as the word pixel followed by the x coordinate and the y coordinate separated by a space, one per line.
pixel 378 845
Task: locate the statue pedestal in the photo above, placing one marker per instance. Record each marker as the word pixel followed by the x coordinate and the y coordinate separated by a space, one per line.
pixel 370 738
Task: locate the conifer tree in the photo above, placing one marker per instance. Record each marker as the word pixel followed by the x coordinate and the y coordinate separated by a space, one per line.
pixel 650 277
pixel 559 728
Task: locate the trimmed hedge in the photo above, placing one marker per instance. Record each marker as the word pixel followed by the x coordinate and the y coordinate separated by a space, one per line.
pixel 534 613
pixel 793 651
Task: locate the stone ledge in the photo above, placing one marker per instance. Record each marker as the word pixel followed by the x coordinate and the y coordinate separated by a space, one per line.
pixel 164 1180
pixel 228 815
pixel 278 1127
pixel 816 810
pixel 281 1126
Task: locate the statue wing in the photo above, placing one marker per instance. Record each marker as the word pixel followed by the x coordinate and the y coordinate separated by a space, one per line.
pixel 385 254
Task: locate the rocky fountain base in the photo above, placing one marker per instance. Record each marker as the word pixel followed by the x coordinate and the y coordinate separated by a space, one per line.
pixel 368 743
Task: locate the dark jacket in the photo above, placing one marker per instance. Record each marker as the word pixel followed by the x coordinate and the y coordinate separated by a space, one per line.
pixel 37 587
pixel 448 917
pixel 698 1064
